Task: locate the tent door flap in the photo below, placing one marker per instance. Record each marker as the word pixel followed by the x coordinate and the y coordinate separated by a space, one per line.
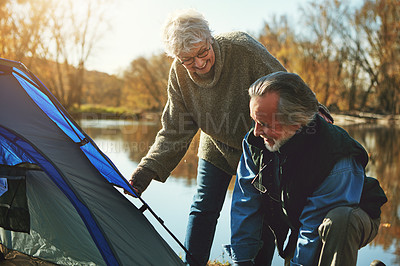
pixel 14 212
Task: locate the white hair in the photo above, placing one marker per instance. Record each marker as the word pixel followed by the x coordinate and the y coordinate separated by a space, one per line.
pixel 183 29
pixel 297 104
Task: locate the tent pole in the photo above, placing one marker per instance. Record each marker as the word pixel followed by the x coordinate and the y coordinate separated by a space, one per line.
pixel 147 207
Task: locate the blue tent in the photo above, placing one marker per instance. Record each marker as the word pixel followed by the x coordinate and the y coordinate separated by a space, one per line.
pixel 58 200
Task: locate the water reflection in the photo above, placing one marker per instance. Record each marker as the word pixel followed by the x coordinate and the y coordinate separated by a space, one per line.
pixel 383 145
pixel 133 139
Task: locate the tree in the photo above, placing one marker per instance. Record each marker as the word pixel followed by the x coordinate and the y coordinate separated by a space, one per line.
pixel 75 28
pixel 22 27
pixel 146 82
pixel 322 44
pixel 387 45
pixel 280 40
pixel 102 89
pixel 373 45
pixel 5 28
pixel 39 33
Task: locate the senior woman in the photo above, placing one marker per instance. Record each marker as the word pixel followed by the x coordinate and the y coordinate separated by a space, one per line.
pixel 207 91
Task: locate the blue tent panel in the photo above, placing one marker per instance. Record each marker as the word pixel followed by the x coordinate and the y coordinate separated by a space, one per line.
pixel 29 154
pixel 53 110
pixel 70 189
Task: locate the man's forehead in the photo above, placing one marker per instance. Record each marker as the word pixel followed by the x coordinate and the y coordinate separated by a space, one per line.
pixel 267 103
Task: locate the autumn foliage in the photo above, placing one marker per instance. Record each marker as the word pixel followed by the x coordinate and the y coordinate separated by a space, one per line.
pixel 349 55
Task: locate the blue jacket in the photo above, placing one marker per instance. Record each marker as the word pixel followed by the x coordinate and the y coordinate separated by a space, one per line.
pixel 342 185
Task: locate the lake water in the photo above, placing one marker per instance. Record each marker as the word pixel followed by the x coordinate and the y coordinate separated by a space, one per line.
pixel 126 142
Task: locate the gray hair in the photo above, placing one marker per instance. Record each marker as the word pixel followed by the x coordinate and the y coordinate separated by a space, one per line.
pixel 183 29
pixel 297 105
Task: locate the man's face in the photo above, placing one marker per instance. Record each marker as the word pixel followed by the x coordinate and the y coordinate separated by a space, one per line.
pixel 264 112
pixel 200 59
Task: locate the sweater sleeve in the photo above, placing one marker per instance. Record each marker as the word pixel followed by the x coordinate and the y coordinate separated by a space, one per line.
pixel 173 140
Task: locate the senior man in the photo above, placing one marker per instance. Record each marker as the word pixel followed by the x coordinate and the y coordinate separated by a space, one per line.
pixel 303 175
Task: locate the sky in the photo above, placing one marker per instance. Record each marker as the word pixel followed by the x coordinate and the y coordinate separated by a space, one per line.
pixel 136 25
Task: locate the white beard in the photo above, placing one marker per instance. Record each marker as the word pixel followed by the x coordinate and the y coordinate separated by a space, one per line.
pixel 277 144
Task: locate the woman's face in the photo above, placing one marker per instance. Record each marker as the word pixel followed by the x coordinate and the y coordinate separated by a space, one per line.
pixel 199 59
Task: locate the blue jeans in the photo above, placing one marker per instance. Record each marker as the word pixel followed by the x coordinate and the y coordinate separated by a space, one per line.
pixel 212 184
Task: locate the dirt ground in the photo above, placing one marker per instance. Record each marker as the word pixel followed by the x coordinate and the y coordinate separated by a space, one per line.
pixel 15 258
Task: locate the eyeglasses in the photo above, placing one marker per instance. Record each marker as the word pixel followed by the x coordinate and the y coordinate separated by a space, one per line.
pixel 256 182
pixel 200 55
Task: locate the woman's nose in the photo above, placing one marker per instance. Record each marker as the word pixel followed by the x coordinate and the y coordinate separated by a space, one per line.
pixel 199 62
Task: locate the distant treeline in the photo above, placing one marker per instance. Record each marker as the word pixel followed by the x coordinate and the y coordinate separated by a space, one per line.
pixel 349 55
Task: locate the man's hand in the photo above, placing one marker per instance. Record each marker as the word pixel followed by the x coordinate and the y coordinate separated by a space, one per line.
pixel 140 180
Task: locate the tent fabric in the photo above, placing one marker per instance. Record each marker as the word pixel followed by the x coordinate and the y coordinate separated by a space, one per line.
pixel 37 158
pixel 77 216
pixel 3 185
pixel 70 128
pixel 14 213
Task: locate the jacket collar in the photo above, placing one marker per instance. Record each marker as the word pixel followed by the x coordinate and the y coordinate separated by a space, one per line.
pixel 303 137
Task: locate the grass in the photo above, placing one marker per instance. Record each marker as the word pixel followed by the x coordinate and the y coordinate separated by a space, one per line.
pixel 215 263
pixel 97 111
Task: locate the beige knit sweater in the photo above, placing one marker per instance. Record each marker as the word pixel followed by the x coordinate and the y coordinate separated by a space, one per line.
pixel 217 104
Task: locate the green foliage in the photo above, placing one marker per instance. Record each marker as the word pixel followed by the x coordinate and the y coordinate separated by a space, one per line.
pixel 100 111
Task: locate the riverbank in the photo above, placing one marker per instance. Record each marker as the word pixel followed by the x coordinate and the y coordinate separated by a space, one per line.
pixel 361 118
pixel 341 119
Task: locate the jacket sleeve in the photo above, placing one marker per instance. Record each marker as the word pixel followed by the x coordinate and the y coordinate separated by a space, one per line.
pixel 246 215
pixel 173 140
pixel 342 187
